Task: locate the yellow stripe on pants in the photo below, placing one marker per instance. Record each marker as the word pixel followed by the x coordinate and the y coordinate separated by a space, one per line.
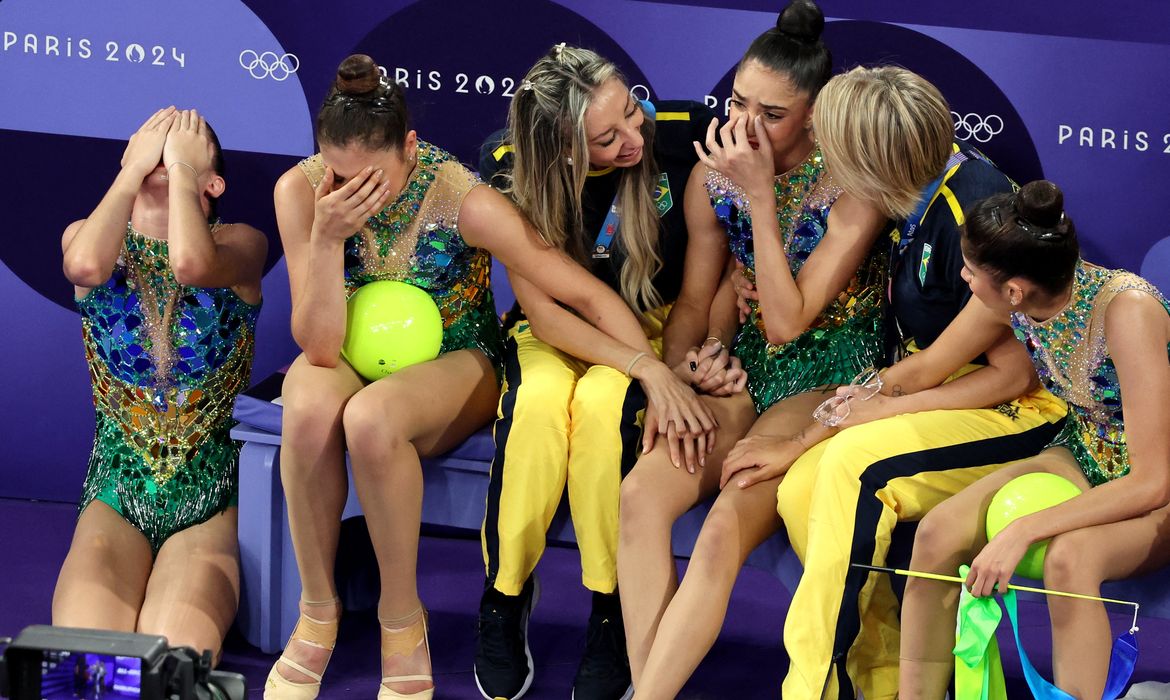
pixel 840 502
pixel 561 422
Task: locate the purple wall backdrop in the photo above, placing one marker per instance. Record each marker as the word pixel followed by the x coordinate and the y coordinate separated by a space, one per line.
pixel 1069 89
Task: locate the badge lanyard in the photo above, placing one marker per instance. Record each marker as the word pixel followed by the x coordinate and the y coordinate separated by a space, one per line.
pixel 910 228
pixel 905 236
pixel 609 229
pixel 613 218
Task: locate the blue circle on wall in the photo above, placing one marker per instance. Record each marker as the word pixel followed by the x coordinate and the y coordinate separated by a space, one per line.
pixel 86 77
pixel 464 95
pixel 982 113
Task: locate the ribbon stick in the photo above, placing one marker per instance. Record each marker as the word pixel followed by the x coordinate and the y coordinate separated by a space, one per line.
pixel 978 673
pixel 1011 586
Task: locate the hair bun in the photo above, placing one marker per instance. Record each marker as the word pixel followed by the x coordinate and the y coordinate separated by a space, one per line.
pixel 1041 203
pixel 802 20
pixel 357 75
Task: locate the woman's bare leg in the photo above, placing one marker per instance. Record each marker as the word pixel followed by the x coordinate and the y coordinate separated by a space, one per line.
pixel 654 494
pixel 312 469
pixel 951 534
pixel 738 522
pixel 103 580
pixel 419 411
pixel 1079 562
pixel 194 589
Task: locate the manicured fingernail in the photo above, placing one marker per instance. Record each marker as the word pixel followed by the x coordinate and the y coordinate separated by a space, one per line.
pixel 694 367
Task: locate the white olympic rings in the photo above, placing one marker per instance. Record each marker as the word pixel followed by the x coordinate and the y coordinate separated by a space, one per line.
pixel 269 64
pixel 977 127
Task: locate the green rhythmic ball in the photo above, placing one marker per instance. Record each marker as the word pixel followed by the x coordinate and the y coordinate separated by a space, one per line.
pixel 1022 496
pixel 388 326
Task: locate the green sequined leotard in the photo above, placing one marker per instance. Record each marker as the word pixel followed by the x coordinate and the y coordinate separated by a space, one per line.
pixel 846 337
pixel 166 362
pixel 416 240
pixel 1072 358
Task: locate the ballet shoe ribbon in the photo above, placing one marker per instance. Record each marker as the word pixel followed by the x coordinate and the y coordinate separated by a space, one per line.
pixel 402 641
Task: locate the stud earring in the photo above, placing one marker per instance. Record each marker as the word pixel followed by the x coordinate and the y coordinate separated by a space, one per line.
pixel 569 160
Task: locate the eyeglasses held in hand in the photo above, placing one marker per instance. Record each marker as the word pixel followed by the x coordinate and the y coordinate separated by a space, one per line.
pixel 834 410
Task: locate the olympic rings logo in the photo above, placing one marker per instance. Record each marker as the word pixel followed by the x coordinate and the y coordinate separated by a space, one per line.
pixel 269 64
pixel 974 126
pixel 640 92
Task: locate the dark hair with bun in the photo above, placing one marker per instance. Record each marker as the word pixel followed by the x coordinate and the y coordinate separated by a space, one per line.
pixel 1026 234
pixel 363 107
pixel 794 47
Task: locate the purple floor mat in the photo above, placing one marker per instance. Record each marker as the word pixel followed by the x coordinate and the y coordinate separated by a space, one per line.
pixel 746 662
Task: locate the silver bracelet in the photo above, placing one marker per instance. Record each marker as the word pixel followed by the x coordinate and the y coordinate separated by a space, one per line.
pixel 188 165
pixel 634 361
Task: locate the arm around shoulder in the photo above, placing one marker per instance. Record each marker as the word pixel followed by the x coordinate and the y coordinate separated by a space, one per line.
pixel 489 220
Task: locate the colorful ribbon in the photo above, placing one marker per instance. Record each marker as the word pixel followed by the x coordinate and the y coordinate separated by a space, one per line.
pixel 978 669
pixel 979 673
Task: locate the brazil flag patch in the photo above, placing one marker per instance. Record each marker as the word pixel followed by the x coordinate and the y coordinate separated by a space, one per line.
pixel 662 197
pixel 926 251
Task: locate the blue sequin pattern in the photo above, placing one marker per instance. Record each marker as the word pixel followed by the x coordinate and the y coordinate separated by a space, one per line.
pixel 166 362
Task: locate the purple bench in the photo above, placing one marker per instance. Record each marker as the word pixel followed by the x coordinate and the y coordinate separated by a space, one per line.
pixel 455 495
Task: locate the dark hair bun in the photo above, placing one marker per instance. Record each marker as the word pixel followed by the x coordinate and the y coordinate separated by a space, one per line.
pixel 802 20
pixel 357 75
pixel 1040 202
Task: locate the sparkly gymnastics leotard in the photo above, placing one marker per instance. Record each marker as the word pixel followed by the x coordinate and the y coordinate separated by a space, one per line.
pixel 1072 358
pixel 166 362
pixel 847 336
pixel 416 239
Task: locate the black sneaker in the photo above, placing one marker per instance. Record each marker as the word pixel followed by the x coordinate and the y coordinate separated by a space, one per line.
pixel 604 673
pixel 503 661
